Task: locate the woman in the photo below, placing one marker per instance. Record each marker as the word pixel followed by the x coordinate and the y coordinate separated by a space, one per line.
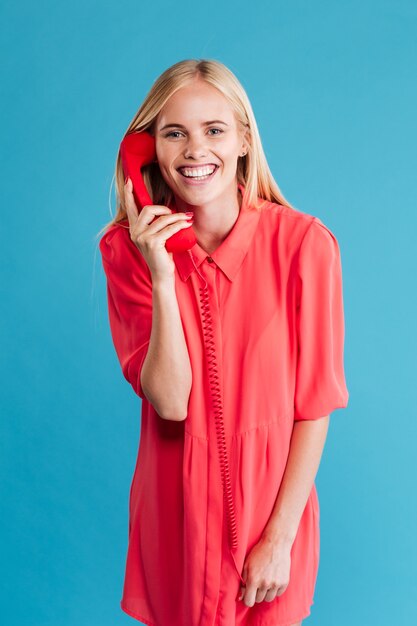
pixel 236 349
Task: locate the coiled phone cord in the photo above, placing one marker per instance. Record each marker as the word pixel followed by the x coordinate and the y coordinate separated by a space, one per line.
pixel 210 351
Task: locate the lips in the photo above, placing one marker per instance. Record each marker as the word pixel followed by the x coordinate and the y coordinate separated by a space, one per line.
pixel 198 167
pixel 198 179
pixel 195 167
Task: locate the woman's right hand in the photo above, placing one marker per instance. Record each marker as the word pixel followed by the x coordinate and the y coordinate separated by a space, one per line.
pixel 150 238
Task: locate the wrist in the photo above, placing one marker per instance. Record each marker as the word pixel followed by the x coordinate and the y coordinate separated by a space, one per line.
pixel 167 282
pixel 278 537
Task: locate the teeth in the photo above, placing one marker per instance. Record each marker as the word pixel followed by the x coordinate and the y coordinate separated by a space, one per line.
pixel 195 172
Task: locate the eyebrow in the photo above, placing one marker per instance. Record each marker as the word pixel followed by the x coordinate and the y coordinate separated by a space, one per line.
pixel 204 124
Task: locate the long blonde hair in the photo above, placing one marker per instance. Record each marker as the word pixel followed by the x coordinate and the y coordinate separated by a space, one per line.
pixel 252 169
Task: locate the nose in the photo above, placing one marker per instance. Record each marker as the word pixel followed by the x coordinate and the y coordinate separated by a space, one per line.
pixel 195 148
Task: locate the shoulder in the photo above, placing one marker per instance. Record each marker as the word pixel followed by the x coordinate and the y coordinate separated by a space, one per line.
pixel 118 250
pixel 296 225
pixel 113 241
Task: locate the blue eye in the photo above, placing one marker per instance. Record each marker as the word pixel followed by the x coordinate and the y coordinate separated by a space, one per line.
pixel 172 133
pixel 177 132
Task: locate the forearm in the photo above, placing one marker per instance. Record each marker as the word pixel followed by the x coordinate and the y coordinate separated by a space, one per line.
pixel 304 457
pixel 166 375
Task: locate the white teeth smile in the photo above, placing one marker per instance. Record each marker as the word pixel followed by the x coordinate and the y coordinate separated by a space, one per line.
pixel 199 173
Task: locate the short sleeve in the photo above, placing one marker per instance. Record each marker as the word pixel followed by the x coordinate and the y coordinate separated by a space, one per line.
pixel 129 296
pixel 320 379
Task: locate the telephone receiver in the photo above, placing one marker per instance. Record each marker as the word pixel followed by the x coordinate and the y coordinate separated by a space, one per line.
pixel 136 151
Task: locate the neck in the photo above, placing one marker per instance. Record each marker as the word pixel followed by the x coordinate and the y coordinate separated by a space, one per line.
pixel 214 221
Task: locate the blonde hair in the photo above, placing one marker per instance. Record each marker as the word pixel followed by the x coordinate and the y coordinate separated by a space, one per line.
pixel 252 169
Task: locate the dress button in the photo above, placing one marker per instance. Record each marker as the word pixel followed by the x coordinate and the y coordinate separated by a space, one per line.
pixel 210 259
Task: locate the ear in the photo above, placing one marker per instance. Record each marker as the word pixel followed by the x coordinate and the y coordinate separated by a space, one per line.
pixel 244 150
pixel 245 143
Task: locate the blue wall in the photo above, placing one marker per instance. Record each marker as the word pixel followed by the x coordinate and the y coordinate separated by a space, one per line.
pixel 333 88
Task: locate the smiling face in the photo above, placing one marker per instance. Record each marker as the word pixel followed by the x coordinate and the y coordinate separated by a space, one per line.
pixel 198 143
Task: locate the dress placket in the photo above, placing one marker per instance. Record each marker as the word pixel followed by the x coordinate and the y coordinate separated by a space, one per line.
pixel 221 507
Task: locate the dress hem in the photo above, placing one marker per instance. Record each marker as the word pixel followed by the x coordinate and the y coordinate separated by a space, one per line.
pixel 148 622
pixel 290 622
pixel 145 620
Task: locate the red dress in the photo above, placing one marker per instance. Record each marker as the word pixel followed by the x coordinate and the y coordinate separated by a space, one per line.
pixel 264 326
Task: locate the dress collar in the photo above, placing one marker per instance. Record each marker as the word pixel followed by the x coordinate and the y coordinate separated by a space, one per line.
pixel 229 255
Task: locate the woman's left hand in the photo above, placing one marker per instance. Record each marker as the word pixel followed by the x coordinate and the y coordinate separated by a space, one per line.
pixel 266 571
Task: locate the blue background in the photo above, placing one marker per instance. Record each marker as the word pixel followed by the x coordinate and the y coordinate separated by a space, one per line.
pixel 333 89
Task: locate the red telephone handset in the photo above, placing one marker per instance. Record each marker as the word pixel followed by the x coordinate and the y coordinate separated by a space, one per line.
pixel 136 151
